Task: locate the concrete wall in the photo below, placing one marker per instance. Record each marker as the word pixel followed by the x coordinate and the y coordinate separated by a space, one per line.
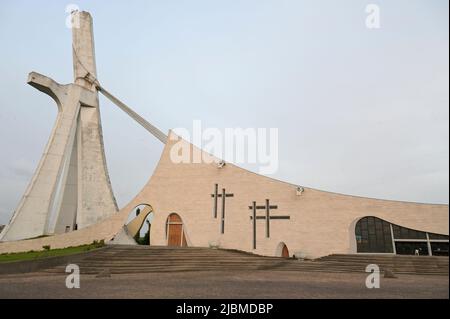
pixel 321 223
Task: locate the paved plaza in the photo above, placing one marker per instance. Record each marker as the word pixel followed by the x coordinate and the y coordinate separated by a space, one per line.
pixel 212 284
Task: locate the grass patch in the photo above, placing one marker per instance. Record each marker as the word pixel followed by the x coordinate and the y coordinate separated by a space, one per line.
pixel 48 252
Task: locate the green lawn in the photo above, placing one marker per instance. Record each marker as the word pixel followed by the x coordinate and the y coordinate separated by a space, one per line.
pixel 49 252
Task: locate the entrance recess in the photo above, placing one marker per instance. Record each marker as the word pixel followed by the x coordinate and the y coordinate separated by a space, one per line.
pixel 282 250
pixel 175 231
pixel 285 251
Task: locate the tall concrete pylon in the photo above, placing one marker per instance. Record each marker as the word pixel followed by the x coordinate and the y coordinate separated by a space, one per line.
pixel 71 188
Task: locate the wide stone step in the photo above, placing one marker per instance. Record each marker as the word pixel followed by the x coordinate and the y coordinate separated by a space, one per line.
pixel 122 270
pixel 397 263
pixel 192 265
pixel 215 266
pixel 186 262
pixel 178 255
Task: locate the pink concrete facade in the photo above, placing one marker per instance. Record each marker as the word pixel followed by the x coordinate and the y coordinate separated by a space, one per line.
pixel 321 223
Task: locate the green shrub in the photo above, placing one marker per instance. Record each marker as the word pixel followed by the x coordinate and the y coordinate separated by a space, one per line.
pixel 98 244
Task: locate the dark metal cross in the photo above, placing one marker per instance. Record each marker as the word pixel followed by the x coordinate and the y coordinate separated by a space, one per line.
pixel 267 217
pixel 224 195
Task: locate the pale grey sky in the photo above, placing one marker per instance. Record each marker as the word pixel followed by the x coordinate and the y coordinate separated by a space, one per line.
pixel 359 111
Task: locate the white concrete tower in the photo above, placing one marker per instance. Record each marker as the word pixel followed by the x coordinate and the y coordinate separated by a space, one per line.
pixel 71 187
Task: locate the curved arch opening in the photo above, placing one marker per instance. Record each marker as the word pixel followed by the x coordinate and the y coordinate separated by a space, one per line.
pixel 139 222
pixel 282 250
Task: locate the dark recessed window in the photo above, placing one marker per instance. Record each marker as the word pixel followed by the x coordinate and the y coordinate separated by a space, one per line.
pixel 407 233
pixel 439 249
pixel 373 235
pixel 411 248
pixel 437 236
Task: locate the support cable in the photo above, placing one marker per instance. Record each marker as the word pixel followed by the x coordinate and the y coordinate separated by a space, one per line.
pixel 148 126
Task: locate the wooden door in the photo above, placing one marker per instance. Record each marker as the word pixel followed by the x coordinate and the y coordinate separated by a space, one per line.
pixel 285 252
pixel 175 231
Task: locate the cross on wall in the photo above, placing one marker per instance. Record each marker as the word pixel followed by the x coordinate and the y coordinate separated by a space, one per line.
pixel 267 217
pixel 223 195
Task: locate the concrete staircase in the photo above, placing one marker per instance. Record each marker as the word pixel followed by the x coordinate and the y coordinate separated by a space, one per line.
pixel 426 265
pixel 146 259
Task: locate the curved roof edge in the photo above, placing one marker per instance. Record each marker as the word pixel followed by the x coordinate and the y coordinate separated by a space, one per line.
pixel 172 137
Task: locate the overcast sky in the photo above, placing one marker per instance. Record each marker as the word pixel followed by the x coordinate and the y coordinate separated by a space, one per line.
pixel 359 111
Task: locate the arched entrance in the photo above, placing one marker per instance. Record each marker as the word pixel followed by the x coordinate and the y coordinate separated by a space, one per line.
pixel 282 250
pixel 175 231
pixel 285 251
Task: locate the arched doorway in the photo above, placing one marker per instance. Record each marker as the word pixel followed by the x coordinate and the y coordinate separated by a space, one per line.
pixel 285 251
pixel 282 250
pixel 175 231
